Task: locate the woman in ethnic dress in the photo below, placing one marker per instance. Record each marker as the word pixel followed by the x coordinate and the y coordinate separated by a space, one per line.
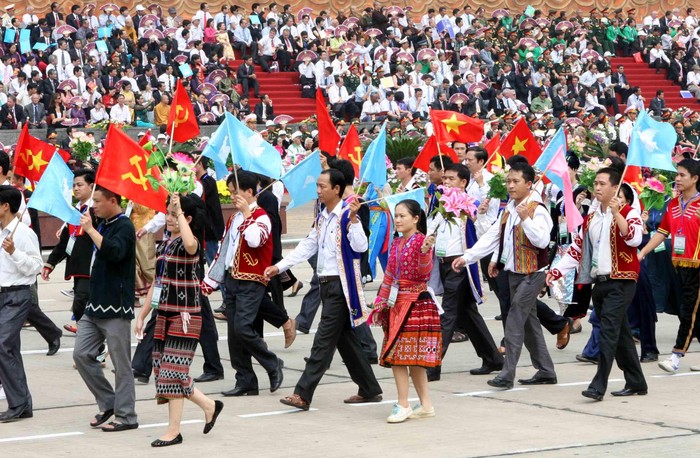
pixel 175 293
pixel 407 313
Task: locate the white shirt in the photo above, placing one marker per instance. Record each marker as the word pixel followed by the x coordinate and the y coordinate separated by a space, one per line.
pixel 120 114
pixel 25 263
pixel 269 45
pixel 321 240
pixel 599 234
pixel 337 94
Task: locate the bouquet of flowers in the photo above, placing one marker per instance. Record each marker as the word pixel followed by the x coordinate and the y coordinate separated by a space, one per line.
pixel 588 171
pixel 454 204
pixel 176 178
pixel 82 146
pixel 497 185
pixel 655 193
pixel 224 194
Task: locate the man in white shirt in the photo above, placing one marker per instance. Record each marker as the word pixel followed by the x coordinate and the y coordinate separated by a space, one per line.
pixel 338 97
pixel 202 15
pixel 120 112
pixel 62 60
pixel 418 105
pixel 371 109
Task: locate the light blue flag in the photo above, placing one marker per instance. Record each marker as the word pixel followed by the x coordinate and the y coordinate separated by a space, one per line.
pixel 373 166
pixel 300 181
pixel 393 200
pixel 218 149
pixel 250 150
pixel 9 35
pixel 652 143
pixel 53 193
pixel 445 25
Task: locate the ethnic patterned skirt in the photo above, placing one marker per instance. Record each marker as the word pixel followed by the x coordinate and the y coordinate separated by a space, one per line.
pixel 413 336
pixel 173 351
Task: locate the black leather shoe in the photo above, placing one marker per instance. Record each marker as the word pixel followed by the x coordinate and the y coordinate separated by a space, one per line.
pixel 17 413
pixel 276 376
pixel 485 370
pixel 499 382
pixel 592 394
pixel 54 347
pixel 538 381
pixel 209 377
pixel 218 407
pixel 161 443
pixel 433 374
pixel 586 359
pixel 649 357
pixel 240 391
pixel 630 392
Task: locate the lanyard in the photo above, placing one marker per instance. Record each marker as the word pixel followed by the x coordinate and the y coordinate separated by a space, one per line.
pixel 683 208
pixel 399 255
pixel 78 227
pixel 324 231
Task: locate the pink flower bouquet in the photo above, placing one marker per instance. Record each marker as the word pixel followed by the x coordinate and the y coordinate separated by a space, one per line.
pixel 454 204
pixel 655 193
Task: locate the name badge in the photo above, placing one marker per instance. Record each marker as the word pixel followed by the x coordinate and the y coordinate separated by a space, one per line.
pixel 662 245
pixel 155 298
pixel 679 244
pixel 129 208
pixel 393 294
pixel 441 247
pixel 70 245
pixel 563 230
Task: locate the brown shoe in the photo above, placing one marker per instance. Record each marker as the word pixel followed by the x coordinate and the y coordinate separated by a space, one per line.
pixel 357 399
pixel 295 401
pixel 290 332
pixel 563 336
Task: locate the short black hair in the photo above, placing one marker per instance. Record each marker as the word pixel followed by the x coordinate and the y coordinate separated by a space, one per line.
pixel 336 178
pixel 525 168
pixel 517 159
pixel 617 163
pixel 626 191
pixel 109 194
pixel 693 168
pixel 461 169
pixel 479 153
pixel 246 180
pixel 4 163
pixel 407 162
pixel 345 167
pixel 12 196
pixel 87 174
pixel 612 172
pixel 446 161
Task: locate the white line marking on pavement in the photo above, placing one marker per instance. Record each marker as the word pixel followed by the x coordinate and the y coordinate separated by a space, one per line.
pixel 480 393
pixel 389 401
pixel 47 300
pixel 159 425
pixel 42 436
pixel 588 383
pixel 274 412
pixel 684 374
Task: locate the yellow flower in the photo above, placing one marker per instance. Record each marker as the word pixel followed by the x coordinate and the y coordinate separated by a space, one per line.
pixel 222 188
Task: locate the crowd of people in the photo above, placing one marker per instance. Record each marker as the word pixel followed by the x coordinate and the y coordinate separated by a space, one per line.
pixel 517 244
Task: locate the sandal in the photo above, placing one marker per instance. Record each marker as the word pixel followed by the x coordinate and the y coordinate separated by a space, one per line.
pixel 295 401
pixel 100 418
pixel 117 427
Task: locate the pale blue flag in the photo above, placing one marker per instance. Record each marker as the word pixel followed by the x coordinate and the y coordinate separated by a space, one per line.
pixel 652 143
pixel 393 200
pixel 300 181
pixel 53 193
pixel 373 166
pixel 218 149
pixel 252 152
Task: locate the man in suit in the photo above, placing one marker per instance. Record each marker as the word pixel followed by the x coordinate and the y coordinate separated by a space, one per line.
pixel 35 113
pixel 657 104
pixel 559 102
pixel 288 51
pixel 263 110
pixel 201 106
pixel 73 19
pixel 521 86
pixel 48 86
pixel 441 102
pixel 574 89
pixel 620 83
pixel 136 18
pixel 506 77
pixel 54 17
pixel 11 116
pixel 110 79
pixel 675 70
pixel 247 77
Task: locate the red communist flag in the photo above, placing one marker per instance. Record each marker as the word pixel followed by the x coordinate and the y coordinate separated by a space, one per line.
pixel 328 136
pixel 182 116
pixel 123 171
pixel 33 155
pixel 429 151
pixel 521 141
pixel 351 149
pixel 495 159
pixel 633 177
pixel 450 126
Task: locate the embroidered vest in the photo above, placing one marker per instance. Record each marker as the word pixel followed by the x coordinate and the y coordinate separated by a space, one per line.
pixel 527 258
pixel 250 263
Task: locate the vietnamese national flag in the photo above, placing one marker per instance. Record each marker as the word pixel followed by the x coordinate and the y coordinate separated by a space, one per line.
pixel 521 141
pixel 328 136
pixel 351 149
pixel 182 116
pixel 495 159
pixel 33 155
pixel 450 126
pixel 633 176
pixel 123 171
pixel 429 151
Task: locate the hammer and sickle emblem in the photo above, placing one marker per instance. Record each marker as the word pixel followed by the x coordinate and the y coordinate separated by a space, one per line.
pixel 626 257
pixel 141 179
pixel 357 157
pixel 249 260
pixel 179 119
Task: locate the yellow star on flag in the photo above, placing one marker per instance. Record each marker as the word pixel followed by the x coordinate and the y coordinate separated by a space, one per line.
pixel 37 160
pixel 453 124
pixel 519 145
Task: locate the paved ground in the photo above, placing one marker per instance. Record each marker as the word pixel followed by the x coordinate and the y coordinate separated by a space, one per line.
pixel 472 419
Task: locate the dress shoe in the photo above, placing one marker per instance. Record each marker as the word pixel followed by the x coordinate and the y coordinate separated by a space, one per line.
pixel 592 394
pixel 295 401
pixel 433 374
pixel 221 309
pixel 649 357
pixel 218 407
pixel 538 381
pixel 586 359
pixel 498 318
pixel 54 346
pixel 630 392
pixel 240 391
pixel 357 399
pixel 373 361
pixel 220 316
pixel 499 382
pixel 296 287
pixel 458 337
pixel 564 335
pixel 276 376
pixel 485 370
pixel 209 377
pixel 17 413
pixel 162 443
pixel 290 332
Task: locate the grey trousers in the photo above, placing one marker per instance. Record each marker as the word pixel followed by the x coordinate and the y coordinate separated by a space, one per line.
pixel 523 326
pixel 92 333
pixel 14 308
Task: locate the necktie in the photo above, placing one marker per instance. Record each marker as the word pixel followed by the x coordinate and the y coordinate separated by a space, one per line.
pixel 36 114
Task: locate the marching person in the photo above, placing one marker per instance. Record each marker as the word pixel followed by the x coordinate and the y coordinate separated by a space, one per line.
pixel 339 240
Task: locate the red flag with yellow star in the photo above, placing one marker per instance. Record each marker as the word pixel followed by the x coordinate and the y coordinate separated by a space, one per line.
pixel 33 155
pixel 429 151
pixel 351 149
pixel 521 141
pixel 123 171
pixel 182 116
pixel 495 159
pixel 450 126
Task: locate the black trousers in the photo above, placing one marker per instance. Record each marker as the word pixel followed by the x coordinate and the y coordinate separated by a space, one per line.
pixel 243 301
pixel 81 295
pixel 38 319
pixel 244 50
pixel 610 300
pixel 458 296
pixel 209 339
pixel 334 331
pixel 689 327
pixel 642 313
pixel 247 83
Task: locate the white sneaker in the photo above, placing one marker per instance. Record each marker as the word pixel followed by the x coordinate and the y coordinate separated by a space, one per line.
pixel 399 414
pixel 668 366
pixel 2 393
pixel 420 412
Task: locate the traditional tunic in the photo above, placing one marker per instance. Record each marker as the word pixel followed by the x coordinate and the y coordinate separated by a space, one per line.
pixel 179 321
pixel 145 249
pixel 412 331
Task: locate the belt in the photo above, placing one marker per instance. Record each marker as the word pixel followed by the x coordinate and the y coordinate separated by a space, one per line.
pixel 448 259
pixel 328 278
pixel 9 289
pixel 603 278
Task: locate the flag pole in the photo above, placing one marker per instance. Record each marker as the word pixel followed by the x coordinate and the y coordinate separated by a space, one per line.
pixel 20 219
pixel 267 187
pixel 622 179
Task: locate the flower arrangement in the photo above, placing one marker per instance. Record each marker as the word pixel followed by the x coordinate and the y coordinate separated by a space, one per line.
pixel 82 146
pixel 454 204
pixel 588 171
pixel 497 184
pixel 176 178
pixel 224 194
pixel 655 193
